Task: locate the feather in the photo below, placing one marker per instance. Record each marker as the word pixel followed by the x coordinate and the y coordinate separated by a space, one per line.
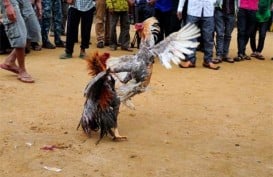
pixel 103 95
pixel 97 63
pixel 176 45
pixel 102 104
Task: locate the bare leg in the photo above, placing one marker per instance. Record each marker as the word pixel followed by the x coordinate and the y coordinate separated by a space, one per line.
pixel 9 63
pixel 22 75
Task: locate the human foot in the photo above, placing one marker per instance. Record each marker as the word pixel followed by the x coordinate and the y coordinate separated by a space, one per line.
pixel 11 68
pixel 25 77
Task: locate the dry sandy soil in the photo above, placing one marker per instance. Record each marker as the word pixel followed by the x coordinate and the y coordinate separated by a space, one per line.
pixel 191 123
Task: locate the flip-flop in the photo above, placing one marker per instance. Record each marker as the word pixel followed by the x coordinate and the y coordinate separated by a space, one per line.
pixel 26 78
pixel 9 68
pixel 190 65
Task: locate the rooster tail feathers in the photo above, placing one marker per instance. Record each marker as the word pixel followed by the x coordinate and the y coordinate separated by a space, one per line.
pixel 96 63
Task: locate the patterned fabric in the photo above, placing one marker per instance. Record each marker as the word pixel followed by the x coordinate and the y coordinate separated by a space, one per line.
pixel 117 5
pixel 83 5
pixel 51 9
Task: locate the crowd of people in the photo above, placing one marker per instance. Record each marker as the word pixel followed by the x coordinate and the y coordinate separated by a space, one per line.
pixel 26 25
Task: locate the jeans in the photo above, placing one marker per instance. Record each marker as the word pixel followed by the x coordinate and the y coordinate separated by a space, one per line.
pixel 262 28
pixel 224 24
pixel 246 26
pixel 206 25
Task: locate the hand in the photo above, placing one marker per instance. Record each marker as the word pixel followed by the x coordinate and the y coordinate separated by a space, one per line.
pixel 70 1
pixel 179 15
pixel 38 5
pixel 10 13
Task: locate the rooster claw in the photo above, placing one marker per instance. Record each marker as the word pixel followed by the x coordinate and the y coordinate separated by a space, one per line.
pixel 120 138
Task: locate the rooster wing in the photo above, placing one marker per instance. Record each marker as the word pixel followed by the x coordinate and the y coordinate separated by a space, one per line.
pixel 174 47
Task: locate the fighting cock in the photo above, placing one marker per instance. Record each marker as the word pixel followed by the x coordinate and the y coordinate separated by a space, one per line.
pixel 103 95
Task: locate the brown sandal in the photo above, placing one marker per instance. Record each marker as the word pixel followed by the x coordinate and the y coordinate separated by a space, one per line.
pixel 187 64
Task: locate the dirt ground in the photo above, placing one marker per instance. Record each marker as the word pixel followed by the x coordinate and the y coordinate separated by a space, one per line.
pixel 190 123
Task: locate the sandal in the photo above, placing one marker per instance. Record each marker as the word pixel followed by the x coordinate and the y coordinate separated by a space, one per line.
pixel 238 58
pixel 187 64
pixel 13 69
pixel 228 59
pixel 259 56
pixel 210 65
pixel 254 54
pixel 245 57
pixel 26 78
pixel 217 60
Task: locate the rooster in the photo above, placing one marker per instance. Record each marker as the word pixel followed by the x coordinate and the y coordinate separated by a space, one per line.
pixel 103 95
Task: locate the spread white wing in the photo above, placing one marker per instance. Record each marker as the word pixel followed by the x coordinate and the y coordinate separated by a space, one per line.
pixel 178 44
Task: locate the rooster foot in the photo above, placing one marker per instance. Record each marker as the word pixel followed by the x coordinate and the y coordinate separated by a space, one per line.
pixel 120 138
pixel 117 136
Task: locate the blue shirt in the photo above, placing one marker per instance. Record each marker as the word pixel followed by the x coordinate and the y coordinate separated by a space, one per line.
pixel 163 5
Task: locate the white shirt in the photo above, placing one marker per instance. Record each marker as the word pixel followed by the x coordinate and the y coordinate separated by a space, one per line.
pixel 198 7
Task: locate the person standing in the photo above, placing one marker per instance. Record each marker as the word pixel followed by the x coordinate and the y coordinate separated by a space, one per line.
pixel 201 13
pixel 78 11
pixel 224 16
pixel 102 24
pixel 246 19
pixel 52 9
pixel 163 13
pixel 262 22
pixel 118 10
pixel 4 41
pixel 18 17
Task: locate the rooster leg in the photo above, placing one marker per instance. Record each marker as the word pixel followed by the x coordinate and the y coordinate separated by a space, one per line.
pixel 117 136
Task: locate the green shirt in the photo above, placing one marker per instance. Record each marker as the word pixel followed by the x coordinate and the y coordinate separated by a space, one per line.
pixel 117 5
pixel 263 14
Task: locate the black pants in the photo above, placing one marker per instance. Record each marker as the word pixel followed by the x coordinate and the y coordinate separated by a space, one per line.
pixel 245 25
pixel 74 18
pixel 4 42
pixel 164 23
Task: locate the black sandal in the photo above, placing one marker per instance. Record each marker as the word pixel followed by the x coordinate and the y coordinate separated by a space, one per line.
pixel 216 61
pixel 238 58
pixel 245 57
